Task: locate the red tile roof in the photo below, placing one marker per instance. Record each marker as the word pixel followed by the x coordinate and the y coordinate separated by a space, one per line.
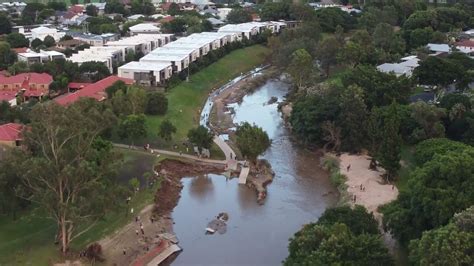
pixel 466 43
pixel 7 96
pixel 95 90
pixel 78 85
pixel 10 132
pixel 167 19
pixel 37 78
pixel 25 82
pixel 76 9
pixel 20 50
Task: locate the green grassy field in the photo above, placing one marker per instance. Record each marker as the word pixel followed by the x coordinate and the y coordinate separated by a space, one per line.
pixel 186 99
pixel 29 239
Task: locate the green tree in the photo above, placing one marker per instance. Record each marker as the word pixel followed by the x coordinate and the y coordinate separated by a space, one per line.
pixel 91 10
pixel 380 89
pixel 5 24
pixel 7 56
pixel 301 67
pixel 17 40
pixel 239 15
pixel 436 71
pixel 117 86
pixel 67 174
pixel 427 149
pixel 174 9
pixel 389 153
pixel 132 127
pixel 94 71
pixel 252 140
pixel 18 67
pixel 131 101
pixel 58 6
pixel 326 52
pixel 335 244
pixel 115 6
pixel 167 129
pixel 429 118
pixel 436 191
pixel 157 104
pixel 274 11
pixel 134 183
pixel 201 137
pixel 356 219
pixel 447 245
pixel 49 41
pixel 353 119
pixel 36 43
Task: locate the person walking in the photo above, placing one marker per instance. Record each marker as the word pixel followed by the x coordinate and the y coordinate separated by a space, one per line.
pixel 348 168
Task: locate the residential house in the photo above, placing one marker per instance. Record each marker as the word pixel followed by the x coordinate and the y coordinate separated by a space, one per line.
pixel 11 135
pixel 31 57
pixel 94 91
pixel 135 17
pixel 466 47
pixel 95 39
pixel 438 49
pixel 216 23
pixel 42 32
pixel 27 85
pixel 144 28
pixel 405 67
pixel 9 97
pixel 70 44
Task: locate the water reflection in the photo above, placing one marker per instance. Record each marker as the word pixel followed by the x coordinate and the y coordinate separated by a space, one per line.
pixel 202 188
pixel 256 235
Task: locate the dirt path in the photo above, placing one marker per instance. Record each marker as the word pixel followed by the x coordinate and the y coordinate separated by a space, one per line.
pixel 135 245
pixel 376 192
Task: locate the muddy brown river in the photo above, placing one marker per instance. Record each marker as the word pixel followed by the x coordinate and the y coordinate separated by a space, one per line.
pixel 256 234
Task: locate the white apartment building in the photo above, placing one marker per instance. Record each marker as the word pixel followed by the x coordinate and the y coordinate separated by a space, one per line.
pixel 31 57
pixel 144 43
pixel 109 56
pixel 193 52
pixel 178 61
pixel 144 73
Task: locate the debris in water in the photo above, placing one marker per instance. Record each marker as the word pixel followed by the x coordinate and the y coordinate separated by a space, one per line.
pixel 218 225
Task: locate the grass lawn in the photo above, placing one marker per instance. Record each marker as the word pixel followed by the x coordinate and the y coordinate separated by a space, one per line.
pixel 186 99
pixel 29 239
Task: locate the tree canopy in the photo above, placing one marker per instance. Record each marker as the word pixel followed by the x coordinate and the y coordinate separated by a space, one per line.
pixel 331 241
pixel 201 137
pixel 251 140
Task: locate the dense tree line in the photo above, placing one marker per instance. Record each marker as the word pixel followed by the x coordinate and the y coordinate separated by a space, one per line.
pixel 342 236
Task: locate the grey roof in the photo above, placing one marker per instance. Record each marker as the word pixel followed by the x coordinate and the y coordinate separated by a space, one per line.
pixel 215 21
pixel 434 47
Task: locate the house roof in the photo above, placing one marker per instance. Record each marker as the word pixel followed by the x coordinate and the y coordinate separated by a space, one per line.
pixel 166 19
pixel 70 42
pixel 215 21
pixel 10 132
pixel 466 43
pixel 76 9
pixel 136 16
pixel 7 96
pixel 20 50
pixel 94 90
pixel 43 29
pixel 144 27
pixel 444 48
pixel 38 78
pixel 78 85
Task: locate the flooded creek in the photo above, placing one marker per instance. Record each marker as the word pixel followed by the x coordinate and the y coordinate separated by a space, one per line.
pixel 255 234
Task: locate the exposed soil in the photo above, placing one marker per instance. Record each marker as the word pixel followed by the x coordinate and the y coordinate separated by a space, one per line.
pixel 172 171
pixel 259 177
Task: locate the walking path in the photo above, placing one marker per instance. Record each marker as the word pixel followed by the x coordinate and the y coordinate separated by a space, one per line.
pixel 170 153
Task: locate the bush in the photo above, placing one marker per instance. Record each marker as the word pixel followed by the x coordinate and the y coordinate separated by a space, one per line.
pixel 157 104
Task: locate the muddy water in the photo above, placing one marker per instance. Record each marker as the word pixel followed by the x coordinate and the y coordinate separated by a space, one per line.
pixel 256 234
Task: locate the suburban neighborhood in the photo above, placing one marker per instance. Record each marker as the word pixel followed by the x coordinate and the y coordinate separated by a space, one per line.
pixel 191 132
